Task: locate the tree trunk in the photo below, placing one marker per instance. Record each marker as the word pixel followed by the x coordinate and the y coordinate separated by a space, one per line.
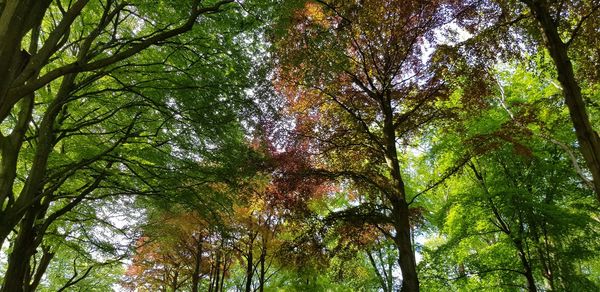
pixel 527 272
pixel 589 142
pixel 211 277
pixel 197 262
pixel 217 272
pixel 400 214
pixel 389 275
pixel 263 257
pixel 249 269
pixel 225 269
pixel 19 260
pixel 542 249
pixel 406 259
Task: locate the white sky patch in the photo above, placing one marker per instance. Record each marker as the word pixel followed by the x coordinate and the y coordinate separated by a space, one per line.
pixel 449 34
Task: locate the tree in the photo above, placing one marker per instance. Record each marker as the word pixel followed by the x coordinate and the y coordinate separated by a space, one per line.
pixel 97 49
pixel 316 145
pixel 97 99
pixel 359 84
pixel 589 141
pixel 567 30
pixel 175 253
pixel 509 220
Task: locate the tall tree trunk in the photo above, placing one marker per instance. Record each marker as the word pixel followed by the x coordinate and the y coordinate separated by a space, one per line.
pixel 546 269
pixel 547 262
pixel 406 260
pixel 249 269
pixel 211 278
pixel 263 257
pixel 10 145
pixel 225 269
pixel 217 271
pixel 542 251
pixel 20 257
pixel 505 228
pixel 197 262
pixel 589 142
pixel 400 214
pixel 527 271
pixel 25 210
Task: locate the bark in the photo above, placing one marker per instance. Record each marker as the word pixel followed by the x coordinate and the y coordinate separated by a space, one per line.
pixel 211 279
pixel 23 250
pixel 249 269
pixel 10 145
pixel 546 269
pixel 217 272
pixel 527 271
pixel 400 214
pixel 30 234
pixel 32 187
pixel 263 257
pixel 542 251
pixel 16 19
pixel 389 275
pixel 225 269
pixel 547 264
pixel 197 265
pixel 406 260
pixel 29 195
pixel 589 141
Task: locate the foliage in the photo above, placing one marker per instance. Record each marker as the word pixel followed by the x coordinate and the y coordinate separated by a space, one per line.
pixel 302 145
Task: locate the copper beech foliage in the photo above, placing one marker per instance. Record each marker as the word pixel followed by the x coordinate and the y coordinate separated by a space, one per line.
pixel 185 249
pixel 361 86
pixel 180 249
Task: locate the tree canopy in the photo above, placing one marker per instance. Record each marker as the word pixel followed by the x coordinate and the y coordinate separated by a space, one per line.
pixel 299 145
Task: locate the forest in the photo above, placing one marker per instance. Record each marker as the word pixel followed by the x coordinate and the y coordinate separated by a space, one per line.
pixel 299 145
